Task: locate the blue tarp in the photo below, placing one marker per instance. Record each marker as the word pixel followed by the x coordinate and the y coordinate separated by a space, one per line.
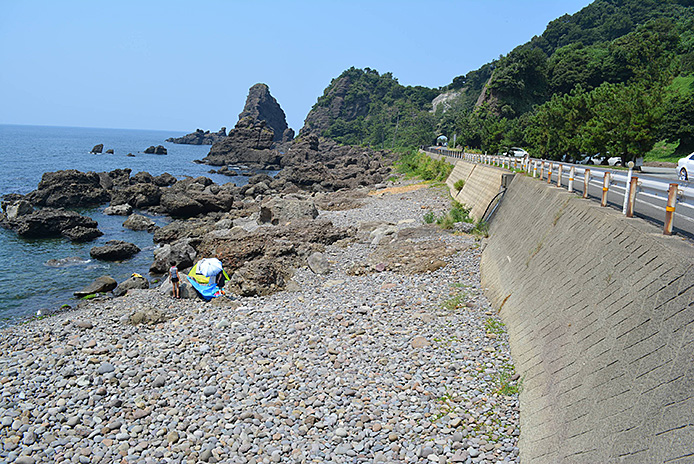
pixel 206 291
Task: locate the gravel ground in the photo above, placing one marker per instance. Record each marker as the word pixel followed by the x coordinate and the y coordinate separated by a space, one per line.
pixel 382 367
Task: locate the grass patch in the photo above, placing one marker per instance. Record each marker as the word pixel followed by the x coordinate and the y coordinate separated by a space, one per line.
pixel 454 302
pixel 457 213
pixel 416 164
pixel 459 184
pixel 663 152
pixel 429 217
pixel 494 326
pixel 505 383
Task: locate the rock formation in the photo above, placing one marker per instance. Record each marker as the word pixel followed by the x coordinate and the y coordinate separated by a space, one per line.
pixel 261 106
pixel 68 189
pixel 200 137
pixel 158 150
pixel 114 250
pixel 249 144
pixel 52 222
pixel 97 148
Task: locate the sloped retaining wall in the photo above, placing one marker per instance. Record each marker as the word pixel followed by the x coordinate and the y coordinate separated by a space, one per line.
pixel 600 314
pixel 482 183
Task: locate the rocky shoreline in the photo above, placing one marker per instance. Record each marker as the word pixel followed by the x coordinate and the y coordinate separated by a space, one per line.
pixel 391 353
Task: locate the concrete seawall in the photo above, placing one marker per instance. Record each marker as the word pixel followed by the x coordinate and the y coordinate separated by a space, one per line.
pixel 482 184
pixel 600 314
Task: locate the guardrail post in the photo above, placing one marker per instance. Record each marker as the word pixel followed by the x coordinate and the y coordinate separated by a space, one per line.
pixel 549 172
pixel 632 196
pixel 605 188
pixel 586 181
pixel 534 168
pixel 559 172
pixel 572 173
pixel 670 209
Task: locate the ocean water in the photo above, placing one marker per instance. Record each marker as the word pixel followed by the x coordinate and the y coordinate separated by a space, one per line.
pixel 27 283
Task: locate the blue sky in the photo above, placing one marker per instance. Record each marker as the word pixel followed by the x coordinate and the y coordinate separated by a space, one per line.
pixel 179 66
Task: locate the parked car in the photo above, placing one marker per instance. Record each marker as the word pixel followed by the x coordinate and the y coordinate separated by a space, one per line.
pixel 598 159
pixel 685 166
pixel 517 152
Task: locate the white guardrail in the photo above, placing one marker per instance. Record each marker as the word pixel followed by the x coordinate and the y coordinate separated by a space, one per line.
pixel 670 200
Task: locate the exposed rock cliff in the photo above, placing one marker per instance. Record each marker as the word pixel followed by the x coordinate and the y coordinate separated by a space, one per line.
pixel 262 106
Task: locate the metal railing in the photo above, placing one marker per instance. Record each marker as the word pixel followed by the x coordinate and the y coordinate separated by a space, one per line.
pixel 660 200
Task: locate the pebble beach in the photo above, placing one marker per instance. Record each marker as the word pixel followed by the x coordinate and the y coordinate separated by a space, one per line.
pixel 362 364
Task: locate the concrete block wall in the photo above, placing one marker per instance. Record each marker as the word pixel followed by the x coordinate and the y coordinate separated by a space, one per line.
pixel 482 183
pixel 600 314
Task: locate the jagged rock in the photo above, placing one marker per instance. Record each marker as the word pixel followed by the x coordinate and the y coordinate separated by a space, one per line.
pixel 180 253
pixel 140 195
pixel 82 234
pixel 249 144
pixel 70 188
pixel 158 150
pixel 114 250
pixel 284 210
pixel 118 210
pixel 48 222
pixel 261 106
pixel 260 262
pixel 134 281
pixel 142 177
pixel 102 284
pixel 164 180
pixel 97 148
pixel 200 137
pixel 139 222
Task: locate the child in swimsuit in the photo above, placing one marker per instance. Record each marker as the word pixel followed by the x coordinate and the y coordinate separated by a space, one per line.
pixel 173 274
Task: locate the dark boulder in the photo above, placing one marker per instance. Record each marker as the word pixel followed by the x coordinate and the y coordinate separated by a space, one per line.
pixel 50 222
pixel 102 284
pixel 70 188
pixel 114 250
pixel 164 180
pixel 109 151
pixel 142 177
pixel 158 150
pixel 82 234
pixel 97 148
pixel 140 195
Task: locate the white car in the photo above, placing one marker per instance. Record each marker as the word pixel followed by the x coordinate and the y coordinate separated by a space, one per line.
pixel 685 166
pixel 517 152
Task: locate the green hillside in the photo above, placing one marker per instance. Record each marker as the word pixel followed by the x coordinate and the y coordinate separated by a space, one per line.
pixel 615 77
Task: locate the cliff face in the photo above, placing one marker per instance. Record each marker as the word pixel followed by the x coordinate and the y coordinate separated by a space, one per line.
pixel 320 118
pixel 262 106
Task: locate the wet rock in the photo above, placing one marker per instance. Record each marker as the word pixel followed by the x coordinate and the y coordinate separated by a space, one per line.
pixel 118 210
pixel 158 150
pixel 114 250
